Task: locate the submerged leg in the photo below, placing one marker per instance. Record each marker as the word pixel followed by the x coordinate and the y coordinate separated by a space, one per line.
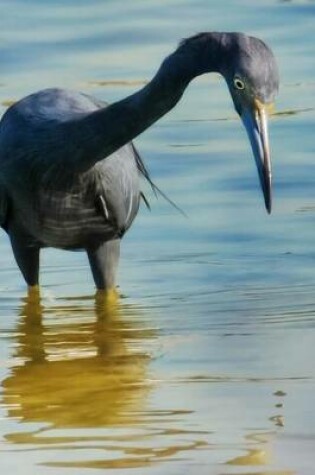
pixel 27 258
pixel 104 263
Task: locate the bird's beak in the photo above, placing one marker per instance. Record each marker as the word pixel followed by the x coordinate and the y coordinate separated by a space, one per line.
pixel 255 119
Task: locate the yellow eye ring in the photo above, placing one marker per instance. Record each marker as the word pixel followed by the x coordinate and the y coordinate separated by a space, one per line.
pixel 238 83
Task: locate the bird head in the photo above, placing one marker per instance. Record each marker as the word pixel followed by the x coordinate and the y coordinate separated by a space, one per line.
pixel 252 77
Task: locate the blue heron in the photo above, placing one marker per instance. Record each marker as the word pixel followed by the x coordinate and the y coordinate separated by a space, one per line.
pixel 69 173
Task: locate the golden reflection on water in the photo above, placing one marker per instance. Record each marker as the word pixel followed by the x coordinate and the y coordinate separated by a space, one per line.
pixel 253 457
pixel 267 472
pixel 77 366
pixel 256 458
pixel 80 374
pixel 119 82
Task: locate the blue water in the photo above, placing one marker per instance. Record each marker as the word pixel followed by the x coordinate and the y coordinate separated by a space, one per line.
pixel 207 364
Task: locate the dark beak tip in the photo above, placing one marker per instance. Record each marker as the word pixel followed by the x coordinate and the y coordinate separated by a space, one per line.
pixel 268 207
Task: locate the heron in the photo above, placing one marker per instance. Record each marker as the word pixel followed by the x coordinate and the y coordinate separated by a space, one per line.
pixel 70 175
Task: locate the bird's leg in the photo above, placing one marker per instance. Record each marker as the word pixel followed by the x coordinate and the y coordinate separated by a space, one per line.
pixel 27 258
pixel 33 294
pixel 104 263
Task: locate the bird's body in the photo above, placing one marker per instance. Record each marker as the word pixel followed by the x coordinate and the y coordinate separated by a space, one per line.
pixel 69 173
pixel 62 209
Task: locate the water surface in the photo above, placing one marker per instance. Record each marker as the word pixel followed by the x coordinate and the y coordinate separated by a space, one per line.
pixel 206 363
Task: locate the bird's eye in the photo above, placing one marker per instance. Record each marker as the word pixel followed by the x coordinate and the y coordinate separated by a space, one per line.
pixel 238 83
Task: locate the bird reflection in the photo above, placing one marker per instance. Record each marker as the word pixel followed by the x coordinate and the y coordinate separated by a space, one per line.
pixel 77 365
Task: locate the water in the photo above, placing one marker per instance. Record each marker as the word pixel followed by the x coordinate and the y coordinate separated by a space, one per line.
pixel 206 365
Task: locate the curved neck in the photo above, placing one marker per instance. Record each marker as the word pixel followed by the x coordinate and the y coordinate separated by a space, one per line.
pixel 106 130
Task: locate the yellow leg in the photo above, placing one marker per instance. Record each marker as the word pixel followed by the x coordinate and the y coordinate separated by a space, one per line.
pixel 108 297
pixel 33 293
